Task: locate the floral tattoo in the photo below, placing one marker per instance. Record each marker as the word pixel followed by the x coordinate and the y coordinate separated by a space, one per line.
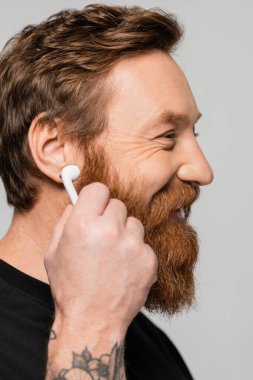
pixel 85 367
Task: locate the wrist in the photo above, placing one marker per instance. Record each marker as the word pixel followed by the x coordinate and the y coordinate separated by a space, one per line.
pixel 99 344
pixel 78 325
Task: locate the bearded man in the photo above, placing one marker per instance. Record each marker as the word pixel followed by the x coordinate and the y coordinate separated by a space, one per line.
pixel 97 88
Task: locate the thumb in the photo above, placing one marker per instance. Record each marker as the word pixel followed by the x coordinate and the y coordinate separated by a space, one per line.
pixel 58 229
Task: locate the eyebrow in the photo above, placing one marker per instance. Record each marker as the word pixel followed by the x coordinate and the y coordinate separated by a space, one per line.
pixel 172 117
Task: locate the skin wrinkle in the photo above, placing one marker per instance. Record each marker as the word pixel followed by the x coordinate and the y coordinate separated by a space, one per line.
pixel 138 158
pixel 146 174
pixel 152 178
pixel 138 143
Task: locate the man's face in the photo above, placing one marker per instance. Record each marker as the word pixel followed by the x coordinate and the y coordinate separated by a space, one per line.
pixel 150 159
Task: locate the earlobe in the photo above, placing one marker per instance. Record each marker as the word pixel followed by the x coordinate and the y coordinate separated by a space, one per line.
pixel 48 150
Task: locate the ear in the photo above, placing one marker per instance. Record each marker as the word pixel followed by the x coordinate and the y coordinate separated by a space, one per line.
pixel 49 151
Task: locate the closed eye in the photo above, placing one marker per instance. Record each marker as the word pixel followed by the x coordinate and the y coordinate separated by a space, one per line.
pixel 170 135
pixel 173 135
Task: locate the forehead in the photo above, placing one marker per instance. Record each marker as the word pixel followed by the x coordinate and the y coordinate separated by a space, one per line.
pixel 146 85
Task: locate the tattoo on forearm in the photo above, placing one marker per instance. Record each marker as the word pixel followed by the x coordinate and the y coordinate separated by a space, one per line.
pixel 106 367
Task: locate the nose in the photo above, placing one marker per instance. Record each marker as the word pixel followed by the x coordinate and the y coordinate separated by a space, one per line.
pixel 195 167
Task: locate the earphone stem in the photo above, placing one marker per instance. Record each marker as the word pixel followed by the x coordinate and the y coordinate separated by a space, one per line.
pixel 70 190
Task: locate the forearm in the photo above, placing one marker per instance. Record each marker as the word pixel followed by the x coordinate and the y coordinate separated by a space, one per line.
pixel 93 352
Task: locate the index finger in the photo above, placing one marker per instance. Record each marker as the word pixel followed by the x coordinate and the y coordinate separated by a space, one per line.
pixel 92 201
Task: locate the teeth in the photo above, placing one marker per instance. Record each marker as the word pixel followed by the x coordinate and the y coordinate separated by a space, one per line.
pixel 181 213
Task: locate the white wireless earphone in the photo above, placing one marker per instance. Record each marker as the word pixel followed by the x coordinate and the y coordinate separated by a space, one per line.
pixel 68 174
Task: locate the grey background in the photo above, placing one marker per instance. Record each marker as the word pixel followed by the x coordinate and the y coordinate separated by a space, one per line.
pixel 217 57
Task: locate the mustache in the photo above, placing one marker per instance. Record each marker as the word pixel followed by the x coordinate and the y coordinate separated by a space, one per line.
pixel 185 195
pixel 172 198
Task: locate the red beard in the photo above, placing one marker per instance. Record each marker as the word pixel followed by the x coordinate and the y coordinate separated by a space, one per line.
pixel 174 241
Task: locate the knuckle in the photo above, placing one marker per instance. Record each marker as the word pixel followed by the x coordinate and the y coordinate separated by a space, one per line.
pixel 132 242
pixel 68 229
pixel 155 262
pixel 73 228
pixel 135 222
pixel 118 203
pixel 110 231
pixel 152 260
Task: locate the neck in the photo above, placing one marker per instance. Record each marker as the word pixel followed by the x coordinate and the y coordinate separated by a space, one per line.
pixel 29 235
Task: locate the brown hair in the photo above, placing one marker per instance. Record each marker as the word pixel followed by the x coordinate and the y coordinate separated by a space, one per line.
pixel 59 67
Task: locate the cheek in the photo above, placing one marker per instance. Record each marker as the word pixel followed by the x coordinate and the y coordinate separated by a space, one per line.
pixel 149 163
pixel 158 170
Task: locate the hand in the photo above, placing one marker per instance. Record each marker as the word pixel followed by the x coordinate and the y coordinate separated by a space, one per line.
pixel 99 268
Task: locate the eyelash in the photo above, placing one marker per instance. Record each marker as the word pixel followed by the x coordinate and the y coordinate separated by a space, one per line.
pixel 173 135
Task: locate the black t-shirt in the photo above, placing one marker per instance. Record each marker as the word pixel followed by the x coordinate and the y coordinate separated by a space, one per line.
pixel 26 316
